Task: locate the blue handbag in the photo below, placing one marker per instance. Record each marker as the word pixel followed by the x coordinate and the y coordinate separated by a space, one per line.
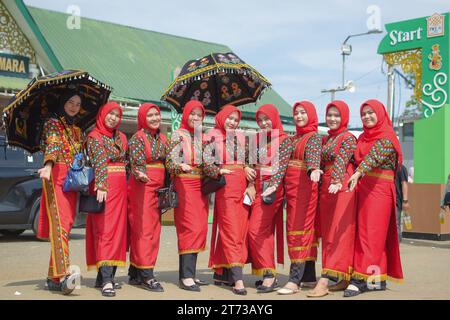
pixel 79 175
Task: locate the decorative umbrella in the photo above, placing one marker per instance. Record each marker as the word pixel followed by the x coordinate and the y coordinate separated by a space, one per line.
pixel 28 110
pixel 216 80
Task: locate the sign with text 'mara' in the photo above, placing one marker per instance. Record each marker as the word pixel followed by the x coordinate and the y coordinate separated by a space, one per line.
pixel 14 66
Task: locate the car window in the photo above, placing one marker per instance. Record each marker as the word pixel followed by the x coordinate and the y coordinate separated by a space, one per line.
pixel 11 156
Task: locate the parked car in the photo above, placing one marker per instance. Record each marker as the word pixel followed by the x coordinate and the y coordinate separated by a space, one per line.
pixel 20 190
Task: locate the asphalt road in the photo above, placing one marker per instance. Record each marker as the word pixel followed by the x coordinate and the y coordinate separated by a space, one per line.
pixel 24 263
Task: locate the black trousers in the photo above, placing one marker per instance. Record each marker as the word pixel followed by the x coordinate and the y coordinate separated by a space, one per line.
pixel 187 265
pixel 140 274
pixel 303 272
pixel 106 274
pixel 230 275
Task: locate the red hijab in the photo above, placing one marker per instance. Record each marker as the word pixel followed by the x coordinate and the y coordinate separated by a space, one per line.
pixel 345 116
pixel 222 116
pixel 142 117
pixel 100 126
pixel 313 122
pixel 219 133
pixel 188 107
pixel 382 129
pixel 270 111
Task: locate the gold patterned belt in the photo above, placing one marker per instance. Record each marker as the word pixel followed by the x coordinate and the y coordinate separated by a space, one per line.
pixel 297 164
pixel 383 174
pixel 158 165
pixel 116 168
pixel 195 173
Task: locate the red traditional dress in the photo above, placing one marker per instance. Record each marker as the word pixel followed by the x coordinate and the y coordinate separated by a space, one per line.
pixel 229 235
pixel 106 232
pixel 377 155
pixel 60 142
pixel 301 193
pixel 147 152
pixel 337 212
pixel 265 218
pixel 191 215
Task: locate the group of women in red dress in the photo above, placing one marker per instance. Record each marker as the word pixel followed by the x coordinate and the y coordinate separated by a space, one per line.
pixel 336 188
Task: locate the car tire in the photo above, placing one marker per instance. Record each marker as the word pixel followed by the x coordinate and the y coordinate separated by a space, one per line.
pixel 12 233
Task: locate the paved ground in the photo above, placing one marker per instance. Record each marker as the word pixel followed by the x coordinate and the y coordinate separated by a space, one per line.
pixel 24 260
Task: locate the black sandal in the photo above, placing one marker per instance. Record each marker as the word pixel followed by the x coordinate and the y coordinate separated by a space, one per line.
pixel 348 293
pixel 108 292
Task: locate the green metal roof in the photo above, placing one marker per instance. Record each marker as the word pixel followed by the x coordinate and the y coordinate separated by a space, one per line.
pixel 138 64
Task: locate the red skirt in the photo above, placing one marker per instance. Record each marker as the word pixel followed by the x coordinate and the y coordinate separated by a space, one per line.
pixel 144 217
pixel 302 198
pixel 229 236
pixel 58 211
pixel 191 215
pixel 377 254
pixel 264 220
pixel 106 233
pixel 337 214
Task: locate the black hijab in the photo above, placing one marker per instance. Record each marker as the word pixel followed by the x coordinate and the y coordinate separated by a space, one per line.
pixel 61 113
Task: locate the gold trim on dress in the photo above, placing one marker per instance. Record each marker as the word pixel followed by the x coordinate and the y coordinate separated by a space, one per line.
pixel 300 232
pixel 301 248
pixel 381 175
pixel 141 267
pixel 261 272
pixel 116 169
pixel 191 251
pixel 297 164
pixel 107 263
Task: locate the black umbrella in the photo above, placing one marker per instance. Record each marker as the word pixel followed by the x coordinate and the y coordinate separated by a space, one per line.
pixel 30 108
pixel 216 80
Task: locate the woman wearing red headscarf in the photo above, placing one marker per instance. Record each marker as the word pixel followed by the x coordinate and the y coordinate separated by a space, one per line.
pixel 106 232
pixel 301 183
pixel 378 154
pixel 147 152
pixel 228 253
pixel 184 161
pixel 273 157
pixel 337 207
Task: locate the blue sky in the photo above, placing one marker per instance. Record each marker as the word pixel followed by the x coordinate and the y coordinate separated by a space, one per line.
pixel 295 44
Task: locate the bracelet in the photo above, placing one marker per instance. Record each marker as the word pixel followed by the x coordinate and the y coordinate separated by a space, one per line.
pixel 405 201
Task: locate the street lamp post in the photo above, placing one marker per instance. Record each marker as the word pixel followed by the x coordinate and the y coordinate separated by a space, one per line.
pixel 346 50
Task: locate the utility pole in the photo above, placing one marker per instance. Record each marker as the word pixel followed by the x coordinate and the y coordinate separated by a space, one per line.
pixel 390 97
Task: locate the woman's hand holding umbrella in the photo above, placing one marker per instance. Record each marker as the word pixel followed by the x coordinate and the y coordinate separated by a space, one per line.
pixel 45 172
